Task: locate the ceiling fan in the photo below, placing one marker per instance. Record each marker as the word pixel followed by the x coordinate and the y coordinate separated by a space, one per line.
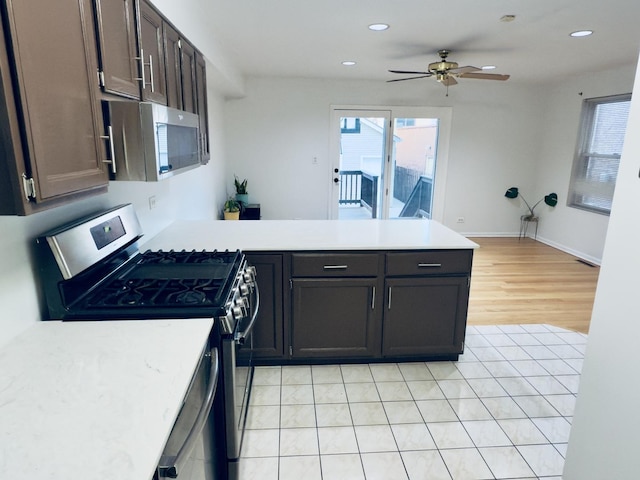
pixel 446 72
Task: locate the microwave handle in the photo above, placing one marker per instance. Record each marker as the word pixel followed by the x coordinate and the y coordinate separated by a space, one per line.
pixel 109 138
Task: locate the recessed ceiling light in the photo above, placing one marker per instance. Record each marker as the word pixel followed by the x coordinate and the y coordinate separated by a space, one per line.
pixel 378 27
pixel 581 33
pixel 488 67
pixel 348 63
pixel 507 18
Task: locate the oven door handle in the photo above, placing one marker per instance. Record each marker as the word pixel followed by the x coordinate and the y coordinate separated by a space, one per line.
pixel 171 466
pixel 242 336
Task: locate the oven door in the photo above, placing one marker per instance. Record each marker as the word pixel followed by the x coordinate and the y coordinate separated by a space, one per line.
pixel 190 451
pixel 237 377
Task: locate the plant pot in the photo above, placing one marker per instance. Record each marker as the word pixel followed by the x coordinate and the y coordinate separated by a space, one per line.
pixel 232 215
pixel 243 198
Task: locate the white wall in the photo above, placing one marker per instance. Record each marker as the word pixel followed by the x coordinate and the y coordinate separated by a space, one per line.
pixel 275 131
pixel 576 230
pixel 604 434
pixel 503 135
pixel 196 194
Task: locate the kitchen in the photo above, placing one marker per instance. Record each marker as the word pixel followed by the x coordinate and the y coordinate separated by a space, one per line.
pixel 197 194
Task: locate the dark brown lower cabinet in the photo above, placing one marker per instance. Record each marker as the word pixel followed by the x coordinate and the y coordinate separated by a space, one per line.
pixel 424 316
pixel 268 331
pixel 334 317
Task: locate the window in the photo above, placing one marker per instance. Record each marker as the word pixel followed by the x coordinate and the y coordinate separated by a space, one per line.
pixel 595 168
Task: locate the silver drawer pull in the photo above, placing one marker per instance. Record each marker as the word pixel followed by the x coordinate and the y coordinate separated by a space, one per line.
pixel 429 265
pixel 335 267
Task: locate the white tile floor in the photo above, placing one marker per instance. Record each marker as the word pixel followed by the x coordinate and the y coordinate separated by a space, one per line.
pixel 503 411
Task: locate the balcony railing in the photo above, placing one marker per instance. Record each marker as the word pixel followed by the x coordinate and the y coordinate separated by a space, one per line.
pixel 359 188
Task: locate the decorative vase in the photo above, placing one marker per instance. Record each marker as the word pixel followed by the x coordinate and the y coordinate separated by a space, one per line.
pixel 231 215
pixel 243 198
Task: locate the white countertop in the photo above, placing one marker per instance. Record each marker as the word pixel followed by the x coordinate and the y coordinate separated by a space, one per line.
pixel 94 400
pixel 291 235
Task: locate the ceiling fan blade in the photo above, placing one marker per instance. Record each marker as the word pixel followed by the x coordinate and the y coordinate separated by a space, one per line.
pixel 448 81
pixel 409 72
pixel 463 70
pixel 485 76
pixel 409 78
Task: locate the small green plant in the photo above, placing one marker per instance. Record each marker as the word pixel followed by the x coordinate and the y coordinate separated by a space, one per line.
pixel 241 186
pixel 231 205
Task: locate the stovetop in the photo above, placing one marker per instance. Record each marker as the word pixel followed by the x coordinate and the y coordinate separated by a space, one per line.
pixel 170 279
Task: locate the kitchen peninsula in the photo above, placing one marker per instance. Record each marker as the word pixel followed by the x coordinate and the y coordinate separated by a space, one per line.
pixel 346 290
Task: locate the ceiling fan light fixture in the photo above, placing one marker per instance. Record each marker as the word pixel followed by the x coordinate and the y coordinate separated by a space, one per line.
pixel 348 63
pixel 488 67
pixel 581 33
pixel 378 27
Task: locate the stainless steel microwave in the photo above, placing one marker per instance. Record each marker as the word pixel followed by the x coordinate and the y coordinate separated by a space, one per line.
pixel 150 142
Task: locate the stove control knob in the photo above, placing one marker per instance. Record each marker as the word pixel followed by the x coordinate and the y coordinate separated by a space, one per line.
pixel 241 302
pixel 244 290
pixel 247 277
pixel 237 313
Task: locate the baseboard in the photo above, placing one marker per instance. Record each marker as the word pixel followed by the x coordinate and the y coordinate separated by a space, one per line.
pixel 571 251
pixel 576 253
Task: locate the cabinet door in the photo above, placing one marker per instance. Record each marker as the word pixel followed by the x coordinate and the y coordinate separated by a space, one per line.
pixel 188 69
pixel 152 53
pixel 118 41
pixel 335 318
pixel 57 96
pixel 172 61
pixel 202 105
pixel 424 316
pixel 268 331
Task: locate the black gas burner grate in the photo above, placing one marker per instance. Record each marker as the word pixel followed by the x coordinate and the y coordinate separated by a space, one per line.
pixel 189 257
pixel 157 293
pixel 170 279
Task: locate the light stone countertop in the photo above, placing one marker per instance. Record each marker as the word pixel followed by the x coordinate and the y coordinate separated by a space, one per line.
pixel 299 235
pixel 94 400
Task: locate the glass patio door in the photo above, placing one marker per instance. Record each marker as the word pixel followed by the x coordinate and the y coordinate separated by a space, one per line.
pixel 384 164
pixel 360 171
pixel 413 167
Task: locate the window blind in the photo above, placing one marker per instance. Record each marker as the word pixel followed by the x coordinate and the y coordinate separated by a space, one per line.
pixel 595 169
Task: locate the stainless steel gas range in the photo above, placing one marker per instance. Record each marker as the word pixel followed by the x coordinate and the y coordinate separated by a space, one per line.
pixel 92 270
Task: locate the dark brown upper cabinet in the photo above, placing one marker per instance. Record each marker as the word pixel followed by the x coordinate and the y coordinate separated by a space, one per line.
pixel 50 129
pixel 120 62
pixel 154 83
pixel 203 111
pixel 172 61
pixel 188 70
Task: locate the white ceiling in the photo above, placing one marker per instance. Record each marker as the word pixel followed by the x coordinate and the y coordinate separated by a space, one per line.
pixel 305 38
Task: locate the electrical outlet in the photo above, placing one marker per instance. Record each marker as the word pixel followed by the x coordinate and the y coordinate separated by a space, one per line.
pixel 460 220
pixel 152 202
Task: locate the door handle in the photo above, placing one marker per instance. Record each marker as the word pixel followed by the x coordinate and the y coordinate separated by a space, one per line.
pixel 336 180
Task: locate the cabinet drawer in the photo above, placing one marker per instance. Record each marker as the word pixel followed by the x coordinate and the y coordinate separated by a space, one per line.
pixel 334 265
pixel 433 262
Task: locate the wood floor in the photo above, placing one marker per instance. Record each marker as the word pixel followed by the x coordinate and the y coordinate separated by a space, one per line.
pixel 524 281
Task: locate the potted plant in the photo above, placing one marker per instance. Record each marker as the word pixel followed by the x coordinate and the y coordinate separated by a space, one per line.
pixel 241 190
pixel 231 209
pixel 551 200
